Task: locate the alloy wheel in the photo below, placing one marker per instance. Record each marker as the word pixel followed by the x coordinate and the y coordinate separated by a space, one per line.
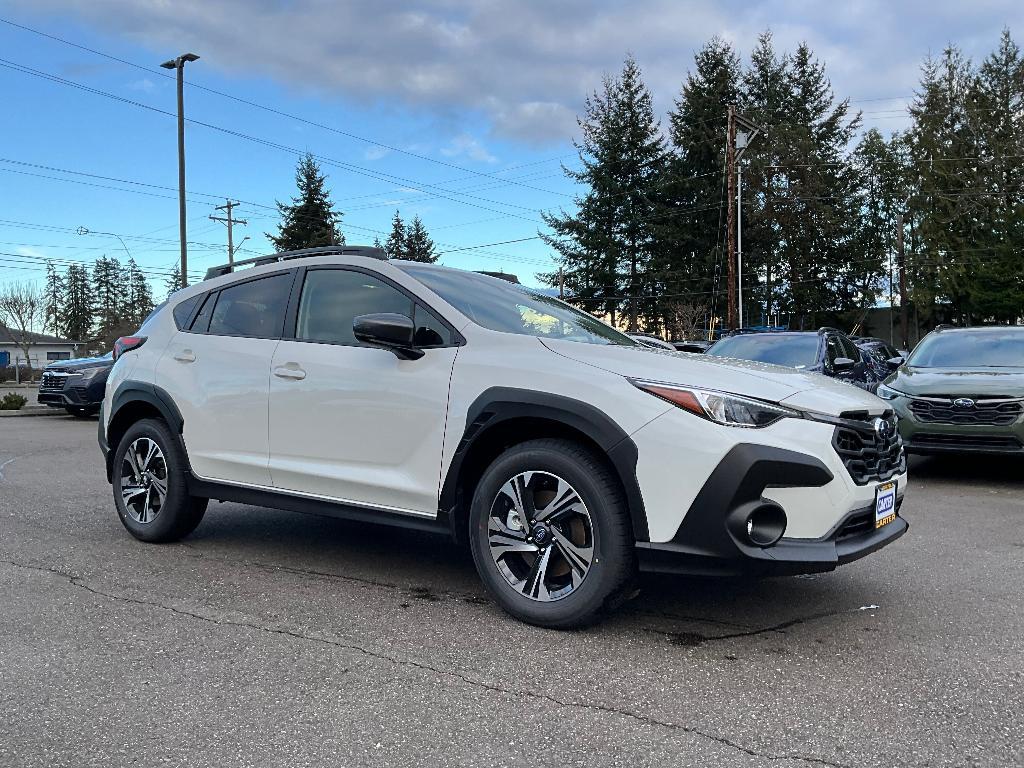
pixel 541 536
pixel 143 480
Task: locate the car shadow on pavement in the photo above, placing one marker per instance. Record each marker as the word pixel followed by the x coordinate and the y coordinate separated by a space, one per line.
pixel 416 566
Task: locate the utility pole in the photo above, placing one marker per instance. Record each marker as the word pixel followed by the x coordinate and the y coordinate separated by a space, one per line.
pixel 227 207
pixel 741 132
pixel 730 222
pixel 179 65
pixel 902 255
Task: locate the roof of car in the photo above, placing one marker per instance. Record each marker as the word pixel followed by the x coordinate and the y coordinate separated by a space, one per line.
pixel 979 328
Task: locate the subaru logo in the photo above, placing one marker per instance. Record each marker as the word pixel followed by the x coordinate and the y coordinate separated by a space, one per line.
pixel 883 429
pixel 963 402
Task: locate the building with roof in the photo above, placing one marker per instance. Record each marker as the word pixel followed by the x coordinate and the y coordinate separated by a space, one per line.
pixel 43 350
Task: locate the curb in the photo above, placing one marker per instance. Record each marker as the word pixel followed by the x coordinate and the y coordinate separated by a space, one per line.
pixel 33 411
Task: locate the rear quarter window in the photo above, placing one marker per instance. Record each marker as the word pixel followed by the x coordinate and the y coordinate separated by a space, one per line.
pixel 183 310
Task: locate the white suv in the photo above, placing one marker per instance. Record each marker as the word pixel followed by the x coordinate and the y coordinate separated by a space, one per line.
pixel 337 382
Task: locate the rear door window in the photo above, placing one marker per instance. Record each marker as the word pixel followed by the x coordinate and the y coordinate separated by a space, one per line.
pixel 254 308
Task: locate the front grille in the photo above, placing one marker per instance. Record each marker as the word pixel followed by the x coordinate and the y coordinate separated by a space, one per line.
pixel 996 442
pixel 867 453
pixel 52 381
pixel 992 411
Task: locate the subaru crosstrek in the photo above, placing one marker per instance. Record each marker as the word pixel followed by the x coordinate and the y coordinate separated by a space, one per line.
pixel 566 454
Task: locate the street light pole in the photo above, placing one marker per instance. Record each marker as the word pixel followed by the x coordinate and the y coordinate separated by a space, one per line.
pixel 87 231
pixel 179 65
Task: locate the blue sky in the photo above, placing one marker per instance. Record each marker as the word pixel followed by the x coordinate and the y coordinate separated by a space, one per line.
pixel 460 112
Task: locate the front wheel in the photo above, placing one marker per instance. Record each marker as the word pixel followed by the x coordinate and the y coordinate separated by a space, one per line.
pixel 150 485
pixel 550 534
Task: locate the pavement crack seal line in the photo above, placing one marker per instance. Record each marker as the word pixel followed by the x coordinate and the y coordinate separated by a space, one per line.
pixel 77 582
pixel 6 464
pixel 694 639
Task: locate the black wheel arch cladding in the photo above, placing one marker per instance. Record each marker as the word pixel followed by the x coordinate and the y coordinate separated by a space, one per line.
pixel 500 405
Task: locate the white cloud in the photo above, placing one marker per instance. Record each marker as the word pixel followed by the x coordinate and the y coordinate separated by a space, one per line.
pixel 465 145
pixel 527 66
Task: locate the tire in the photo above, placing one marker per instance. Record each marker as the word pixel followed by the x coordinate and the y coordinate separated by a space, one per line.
pixel 146 515
pixel 565 596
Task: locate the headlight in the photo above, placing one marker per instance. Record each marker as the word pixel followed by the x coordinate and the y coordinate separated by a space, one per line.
pixel 86 374
pixel 719 407
pixel 888 393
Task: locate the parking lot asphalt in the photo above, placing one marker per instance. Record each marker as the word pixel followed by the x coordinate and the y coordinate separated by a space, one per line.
pixel 271 638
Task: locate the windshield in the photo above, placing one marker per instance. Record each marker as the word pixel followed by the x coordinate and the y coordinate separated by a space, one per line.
pixel 974 349
pixel 503 306
pixel 794 351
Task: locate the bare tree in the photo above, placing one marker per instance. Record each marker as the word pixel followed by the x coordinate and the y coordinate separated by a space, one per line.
pixel 684 320
pixel 21 307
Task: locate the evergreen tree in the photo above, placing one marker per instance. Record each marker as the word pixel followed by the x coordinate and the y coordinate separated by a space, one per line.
pixel 76 315
pixel 395 246
pixel 173 281
pixel 310 220
pixel 108 296
pixel 606 246
pixel 691 222
pixel 139 301
pixel 54 297
pixel 995 265
pixel 418 245
pixel 944 149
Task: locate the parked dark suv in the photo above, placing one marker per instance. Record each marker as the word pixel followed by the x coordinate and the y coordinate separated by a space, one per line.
pixel 828 351
pixel 76 385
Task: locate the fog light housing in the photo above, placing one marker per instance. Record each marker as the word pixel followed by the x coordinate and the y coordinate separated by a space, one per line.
pixel 759 523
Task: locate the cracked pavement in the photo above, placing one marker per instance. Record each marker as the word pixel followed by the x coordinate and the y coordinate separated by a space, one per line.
pixel 270 638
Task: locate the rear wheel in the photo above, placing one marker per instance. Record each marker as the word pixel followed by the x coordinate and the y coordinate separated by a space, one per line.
pixel 150 485
pixel 550 534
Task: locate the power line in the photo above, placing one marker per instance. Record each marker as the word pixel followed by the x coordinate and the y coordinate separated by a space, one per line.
pixel 282 113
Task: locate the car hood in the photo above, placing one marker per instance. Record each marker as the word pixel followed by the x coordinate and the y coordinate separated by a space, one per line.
pixel 797 389
pixel 81 362
pixel 987 382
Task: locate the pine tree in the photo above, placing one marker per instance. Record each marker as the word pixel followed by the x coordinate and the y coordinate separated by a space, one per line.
pixel 606 246
pixel 139 301
pixel 691 223
pixel 54 294
pixel 76 316
pixel 108 295
pixel 395 246
pixel 418 245
pixel 944 149
pixel 173 281
pixel 310 220
pixel 995 286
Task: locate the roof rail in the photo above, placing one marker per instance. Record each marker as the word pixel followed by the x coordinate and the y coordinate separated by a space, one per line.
pixel 500 275
pixel 326 250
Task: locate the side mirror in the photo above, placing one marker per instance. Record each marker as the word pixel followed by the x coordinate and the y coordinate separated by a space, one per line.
pixel 843 363
pixel 895 362
pixel 390 331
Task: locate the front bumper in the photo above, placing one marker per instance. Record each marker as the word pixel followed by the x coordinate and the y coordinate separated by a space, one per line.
pixel 934 438
pixel 713 537
pixel 788 557
pixel 87 395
